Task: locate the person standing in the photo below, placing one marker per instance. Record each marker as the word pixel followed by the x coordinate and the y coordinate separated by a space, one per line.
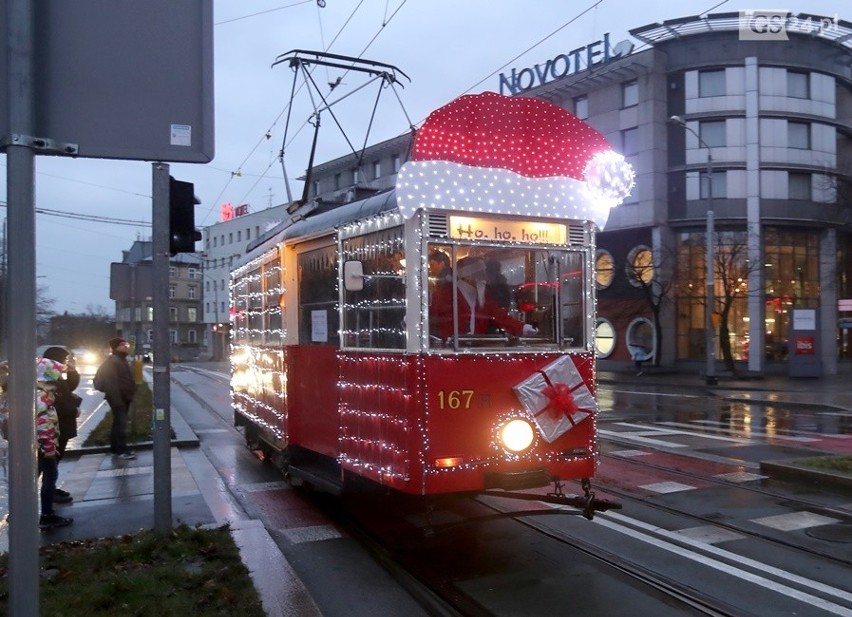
pixel 48 373
pixel 115 379
pixel 67 405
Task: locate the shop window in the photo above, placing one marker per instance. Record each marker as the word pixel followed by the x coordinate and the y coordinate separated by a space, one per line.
pixel 604 338
pixel 640 266
pixel 604 269
pixel 711 83
pixel 641 342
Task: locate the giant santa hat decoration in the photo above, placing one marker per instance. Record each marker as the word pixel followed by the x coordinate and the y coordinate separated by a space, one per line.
pixel 512 155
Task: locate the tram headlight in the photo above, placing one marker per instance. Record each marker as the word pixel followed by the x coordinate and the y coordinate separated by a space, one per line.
pixel 516 435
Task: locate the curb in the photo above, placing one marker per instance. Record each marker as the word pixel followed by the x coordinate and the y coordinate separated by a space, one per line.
pixel 788 470
pixel 184 437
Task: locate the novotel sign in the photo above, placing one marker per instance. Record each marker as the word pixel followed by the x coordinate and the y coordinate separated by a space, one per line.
pixel 562 65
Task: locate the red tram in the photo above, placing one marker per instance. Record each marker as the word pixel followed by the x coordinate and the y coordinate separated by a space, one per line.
pixel 437 338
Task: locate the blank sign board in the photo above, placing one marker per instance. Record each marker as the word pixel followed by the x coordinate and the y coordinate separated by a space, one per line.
pixel 122 79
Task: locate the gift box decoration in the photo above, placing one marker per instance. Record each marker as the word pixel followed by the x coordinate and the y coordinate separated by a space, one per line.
pixel 557 398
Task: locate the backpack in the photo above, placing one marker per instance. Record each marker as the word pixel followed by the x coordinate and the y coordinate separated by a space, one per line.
pixel 99 380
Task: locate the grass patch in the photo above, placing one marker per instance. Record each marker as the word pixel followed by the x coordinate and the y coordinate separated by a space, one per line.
pixel 187 572
pixel 139 420
pixel 842 464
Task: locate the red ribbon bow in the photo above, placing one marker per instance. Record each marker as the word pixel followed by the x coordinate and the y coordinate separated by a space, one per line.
pixel 561 401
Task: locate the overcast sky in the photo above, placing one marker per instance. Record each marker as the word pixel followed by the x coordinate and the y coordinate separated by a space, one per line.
pixel 446 47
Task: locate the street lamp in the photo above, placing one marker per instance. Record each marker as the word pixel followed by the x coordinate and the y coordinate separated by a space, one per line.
pixel 711 283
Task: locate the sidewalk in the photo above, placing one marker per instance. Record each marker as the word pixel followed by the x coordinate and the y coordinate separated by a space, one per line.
pixel 114 497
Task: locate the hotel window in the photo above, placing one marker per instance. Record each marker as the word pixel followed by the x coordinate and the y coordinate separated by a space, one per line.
pixel 640 266
pixel 396 163
pixel 604 269
pixel 355 176
pixel 799 135
pixel 337 180
pixel 630 94
pixel 630 141
pixel 798 85
pixel 192 314
pixel 191 292
pixel 799 186
pixel 192 273
pixel 192 336
pixel 239 235
pixel 315 184
pixel 581 107
pixel 377 170
pixel 173 313
pixel 720 185
pixel 713 133
pixel 711 83
pixel 171 291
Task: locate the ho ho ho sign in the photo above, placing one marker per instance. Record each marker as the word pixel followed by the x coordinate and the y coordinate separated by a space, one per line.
pixel 576 60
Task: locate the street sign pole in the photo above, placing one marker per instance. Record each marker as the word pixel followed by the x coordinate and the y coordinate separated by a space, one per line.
pixel 162 385
pixel 20 183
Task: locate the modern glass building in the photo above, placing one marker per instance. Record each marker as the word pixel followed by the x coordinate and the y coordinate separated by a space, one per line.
pixel 716 117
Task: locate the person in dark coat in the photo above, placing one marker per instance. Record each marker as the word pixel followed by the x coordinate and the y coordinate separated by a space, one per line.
pixel 67 405
pixel 115 379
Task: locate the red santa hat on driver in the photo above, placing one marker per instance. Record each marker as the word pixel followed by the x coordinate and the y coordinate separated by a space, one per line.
pixel 512 155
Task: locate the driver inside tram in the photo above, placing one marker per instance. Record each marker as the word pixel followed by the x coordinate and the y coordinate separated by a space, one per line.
pixel 478 311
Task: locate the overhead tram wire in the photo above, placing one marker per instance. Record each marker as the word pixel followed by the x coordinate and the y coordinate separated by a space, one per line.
pixel 385 22
pixel 489 76
pixel 88 217
pixel 268 132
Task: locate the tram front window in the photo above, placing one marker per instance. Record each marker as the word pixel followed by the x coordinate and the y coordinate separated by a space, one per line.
pixel 502 298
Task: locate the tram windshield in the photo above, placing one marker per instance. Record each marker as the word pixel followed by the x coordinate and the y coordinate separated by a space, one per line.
pixel 506 297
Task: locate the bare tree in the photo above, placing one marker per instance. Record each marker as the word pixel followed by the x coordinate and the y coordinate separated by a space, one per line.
pixel 731 272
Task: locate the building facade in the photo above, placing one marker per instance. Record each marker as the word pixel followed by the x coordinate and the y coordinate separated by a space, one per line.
pixel 224 244
pixel 131 287
pixel 750 136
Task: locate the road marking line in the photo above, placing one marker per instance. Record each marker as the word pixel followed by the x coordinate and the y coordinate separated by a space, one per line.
pixel 611 520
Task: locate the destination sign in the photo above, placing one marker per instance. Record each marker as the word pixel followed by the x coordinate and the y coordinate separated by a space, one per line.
pixel 502 230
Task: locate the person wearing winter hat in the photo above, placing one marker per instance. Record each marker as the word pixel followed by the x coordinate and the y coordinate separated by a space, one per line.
pixel 67 405
pixel 48 374
pixel 115 379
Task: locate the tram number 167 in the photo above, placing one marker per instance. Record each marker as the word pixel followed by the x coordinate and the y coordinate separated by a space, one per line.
pixel 454 399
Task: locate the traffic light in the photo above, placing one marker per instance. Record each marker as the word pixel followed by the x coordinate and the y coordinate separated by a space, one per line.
pixel 182 232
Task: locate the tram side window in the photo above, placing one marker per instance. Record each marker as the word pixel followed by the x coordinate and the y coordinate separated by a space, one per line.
pixel 374 317
pixel 318 319
pixel 272 301
pixel 254 303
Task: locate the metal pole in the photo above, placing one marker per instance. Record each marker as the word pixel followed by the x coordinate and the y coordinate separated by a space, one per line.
pixel 711 278
pixel 20 182
pixel 710 330
pixel 162 395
